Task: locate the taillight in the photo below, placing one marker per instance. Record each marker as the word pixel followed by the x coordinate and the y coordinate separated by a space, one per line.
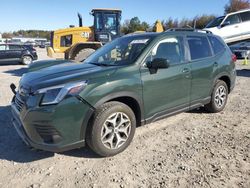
pixel 234 58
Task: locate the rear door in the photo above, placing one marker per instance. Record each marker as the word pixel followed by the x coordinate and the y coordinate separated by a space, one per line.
pixel 168 89
pixel 14 52
pixel 245 25
pixel 203 64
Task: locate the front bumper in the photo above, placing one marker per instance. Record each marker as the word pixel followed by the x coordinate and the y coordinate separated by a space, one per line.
pixel 65 132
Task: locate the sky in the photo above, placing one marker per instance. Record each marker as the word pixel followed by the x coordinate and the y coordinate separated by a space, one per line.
pixel 55 14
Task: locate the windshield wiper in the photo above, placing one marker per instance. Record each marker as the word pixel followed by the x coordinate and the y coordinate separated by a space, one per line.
pixel 100 64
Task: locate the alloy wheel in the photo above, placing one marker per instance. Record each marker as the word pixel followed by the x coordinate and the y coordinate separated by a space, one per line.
pixel 220 96
pixel 116 130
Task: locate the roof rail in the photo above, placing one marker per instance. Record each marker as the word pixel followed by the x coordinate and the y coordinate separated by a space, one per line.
pixel 190 29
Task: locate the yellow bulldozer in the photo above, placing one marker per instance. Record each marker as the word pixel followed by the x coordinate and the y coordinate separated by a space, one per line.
pixel 77 43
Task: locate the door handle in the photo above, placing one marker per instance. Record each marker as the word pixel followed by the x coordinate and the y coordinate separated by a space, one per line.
pixel 236 26
pixel 186 70
pixel 216 64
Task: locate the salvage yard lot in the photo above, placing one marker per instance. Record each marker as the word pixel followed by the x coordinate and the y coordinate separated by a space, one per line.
pixel 194 149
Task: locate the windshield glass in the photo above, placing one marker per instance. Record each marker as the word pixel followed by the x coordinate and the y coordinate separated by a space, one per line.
pixel 216 22
pixel 121 51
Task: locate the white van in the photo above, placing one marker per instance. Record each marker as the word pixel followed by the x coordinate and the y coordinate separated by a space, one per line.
pixel 232 27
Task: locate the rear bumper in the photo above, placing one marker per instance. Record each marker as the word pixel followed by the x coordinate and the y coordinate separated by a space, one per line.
pixel 17 123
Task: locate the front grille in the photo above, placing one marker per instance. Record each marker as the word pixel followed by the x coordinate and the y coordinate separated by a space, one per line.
pixel 18 103
pixel 48 133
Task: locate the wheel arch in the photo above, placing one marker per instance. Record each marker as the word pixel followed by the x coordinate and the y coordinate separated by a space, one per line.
pixel 128 98
pixel 224 77
pixel 76 48
pixel 30 55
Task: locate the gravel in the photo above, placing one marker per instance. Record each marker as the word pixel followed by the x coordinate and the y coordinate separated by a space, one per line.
pixel 193 149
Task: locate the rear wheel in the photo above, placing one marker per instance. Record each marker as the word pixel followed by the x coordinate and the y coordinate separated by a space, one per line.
pixel 218 98
pixel 83 54
pixel 27 60
pixel 112 129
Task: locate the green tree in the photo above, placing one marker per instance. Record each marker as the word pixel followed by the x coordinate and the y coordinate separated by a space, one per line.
pixel 202 21
pixel 236 5
pixel 133 25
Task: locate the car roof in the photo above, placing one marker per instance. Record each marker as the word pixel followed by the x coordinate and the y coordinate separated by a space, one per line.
pixel 241 11
pixel 165 33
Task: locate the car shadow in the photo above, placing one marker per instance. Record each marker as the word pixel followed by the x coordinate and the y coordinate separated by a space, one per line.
pixel 200 110
pixel 6 63
pixel 13 149
pixel 17 72
pixel 243 73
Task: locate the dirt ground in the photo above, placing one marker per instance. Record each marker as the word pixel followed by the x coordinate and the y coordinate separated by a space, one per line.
pixel 194 149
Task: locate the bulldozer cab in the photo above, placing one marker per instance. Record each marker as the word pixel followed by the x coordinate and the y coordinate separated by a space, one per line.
pixel 107 23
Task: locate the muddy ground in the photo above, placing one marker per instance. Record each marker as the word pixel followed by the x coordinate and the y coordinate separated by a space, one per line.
pixel 194 149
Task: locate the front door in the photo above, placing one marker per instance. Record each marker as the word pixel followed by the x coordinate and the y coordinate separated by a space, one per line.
pixel 167 89
pixel 3 54
pixel 232 27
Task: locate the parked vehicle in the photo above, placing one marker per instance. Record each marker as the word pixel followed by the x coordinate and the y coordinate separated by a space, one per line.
pixel 241 50
pixel 232 27
pixel 24 54
pixel 134 80
pixel 2 41
pixel 15 41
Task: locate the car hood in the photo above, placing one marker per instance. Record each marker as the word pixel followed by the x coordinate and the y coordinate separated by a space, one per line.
pixel 64 73
pixel 37 65
pixel 214 30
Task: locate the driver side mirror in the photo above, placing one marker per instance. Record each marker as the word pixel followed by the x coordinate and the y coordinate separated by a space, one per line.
pixel 158 63
pixel 225 24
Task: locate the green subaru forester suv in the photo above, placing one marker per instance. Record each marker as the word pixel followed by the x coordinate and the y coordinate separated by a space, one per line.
pixel 134 80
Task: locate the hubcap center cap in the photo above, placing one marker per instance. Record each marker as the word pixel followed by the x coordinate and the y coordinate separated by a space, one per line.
pixel 115 130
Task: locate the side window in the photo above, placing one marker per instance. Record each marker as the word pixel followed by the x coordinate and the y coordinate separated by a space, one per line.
pixel 171 49
pixel 2 47
pixel 245 16
pixel 216 44
pixel 199 47
pixel 66 41
pixel 15 47
pixel 110 22
pixel 233 19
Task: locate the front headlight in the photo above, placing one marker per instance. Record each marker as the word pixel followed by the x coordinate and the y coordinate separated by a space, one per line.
pixel 55 94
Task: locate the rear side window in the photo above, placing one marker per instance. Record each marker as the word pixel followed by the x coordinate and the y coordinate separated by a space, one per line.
pixel 199 47
pixel 15 47
pixel 66 41
pixel 216 44
pixel 245 16
pixel 171 49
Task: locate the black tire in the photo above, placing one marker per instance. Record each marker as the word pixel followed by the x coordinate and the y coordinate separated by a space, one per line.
pixel 96 129
pixel 26 60
pixel 214 106
pixel 83 54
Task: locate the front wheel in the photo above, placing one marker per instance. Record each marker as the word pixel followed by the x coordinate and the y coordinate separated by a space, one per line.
pixel 112 129
pixel 218 97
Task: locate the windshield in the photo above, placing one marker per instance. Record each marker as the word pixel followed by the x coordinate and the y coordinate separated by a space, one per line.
pixel 216 22
pixel 121 51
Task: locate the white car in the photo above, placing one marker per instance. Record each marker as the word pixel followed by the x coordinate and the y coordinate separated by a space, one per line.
pixel 232 27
